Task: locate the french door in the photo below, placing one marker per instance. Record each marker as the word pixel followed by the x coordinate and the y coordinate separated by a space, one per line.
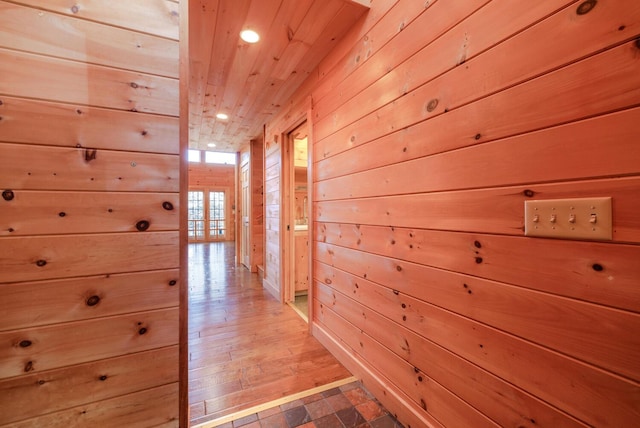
pixel 208 218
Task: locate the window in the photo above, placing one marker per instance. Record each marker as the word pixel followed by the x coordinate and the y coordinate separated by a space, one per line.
pixel 194 156
pixel 220 157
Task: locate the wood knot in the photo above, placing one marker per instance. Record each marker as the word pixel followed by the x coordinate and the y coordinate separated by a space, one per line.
pixel 134 85
pixel 142 331
pixel 167 206
pixel 41 263
pixel 93 300
pixel 431 106
pixel 28 367
pixel 143 225
pixel 529 193
pixel 62 214
pixel 8 195
pixel 25 343
pixel 597 267
pixel 90 154
pixel 478 136
pixel 479 260
pixel 75 9
pixel 103 378
pixel 399 268
pixel 172 282
pixel 477 244
pixel 586 7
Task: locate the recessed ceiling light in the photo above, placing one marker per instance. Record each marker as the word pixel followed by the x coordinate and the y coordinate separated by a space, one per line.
pixel 211 145
pixel 222 116
pixel 249 36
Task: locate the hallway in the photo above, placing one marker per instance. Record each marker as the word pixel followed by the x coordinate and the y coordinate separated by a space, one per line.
pixel 245 348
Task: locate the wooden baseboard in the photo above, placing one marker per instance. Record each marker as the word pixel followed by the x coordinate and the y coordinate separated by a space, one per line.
pixel 396 402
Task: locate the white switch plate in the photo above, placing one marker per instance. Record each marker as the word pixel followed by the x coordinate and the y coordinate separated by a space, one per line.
pixel 582 218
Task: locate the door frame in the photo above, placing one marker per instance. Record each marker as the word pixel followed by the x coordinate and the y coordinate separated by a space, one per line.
pixel 245 210
pixel 287 236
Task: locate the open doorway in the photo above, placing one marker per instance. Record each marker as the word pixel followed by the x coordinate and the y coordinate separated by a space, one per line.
pixel 296 184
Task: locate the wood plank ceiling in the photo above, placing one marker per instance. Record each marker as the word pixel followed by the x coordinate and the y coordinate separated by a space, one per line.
pixel 251 82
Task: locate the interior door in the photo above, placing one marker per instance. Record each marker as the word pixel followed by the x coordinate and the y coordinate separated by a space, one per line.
pixel 245 207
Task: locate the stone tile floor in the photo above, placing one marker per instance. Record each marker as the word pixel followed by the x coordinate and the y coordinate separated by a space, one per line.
pixel 349 406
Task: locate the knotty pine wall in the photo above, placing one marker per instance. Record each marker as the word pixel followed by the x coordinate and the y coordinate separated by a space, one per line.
pixel 252 155
pixel 272 205
pixel 433 122
pixel 257 203
pixel 89 175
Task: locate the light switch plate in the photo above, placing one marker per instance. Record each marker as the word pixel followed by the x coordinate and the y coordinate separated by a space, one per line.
pixel 581 218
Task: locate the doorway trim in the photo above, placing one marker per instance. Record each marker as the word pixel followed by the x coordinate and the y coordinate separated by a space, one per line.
pixel 286 221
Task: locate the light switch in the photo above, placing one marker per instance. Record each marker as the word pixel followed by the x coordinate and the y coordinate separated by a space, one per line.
pixel 581 218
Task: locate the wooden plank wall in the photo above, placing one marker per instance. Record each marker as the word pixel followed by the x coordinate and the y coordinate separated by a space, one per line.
pixel 212 175
pixel 252 154
pixel 217 176
pixel 433 123
pixel 272 193
pixel 89 229
pixel 257 203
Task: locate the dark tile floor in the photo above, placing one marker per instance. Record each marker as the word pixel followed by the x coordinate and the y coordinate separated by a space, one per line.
pixel 349 406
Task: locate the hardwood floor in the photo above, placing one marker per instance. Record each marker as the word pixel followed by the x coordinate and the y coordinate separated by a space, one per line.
pixel 245 348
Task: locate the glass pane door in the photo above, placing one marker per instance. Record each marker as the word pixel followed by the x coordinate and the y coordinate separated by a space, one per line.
pixel 217 210
pixel 196 220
